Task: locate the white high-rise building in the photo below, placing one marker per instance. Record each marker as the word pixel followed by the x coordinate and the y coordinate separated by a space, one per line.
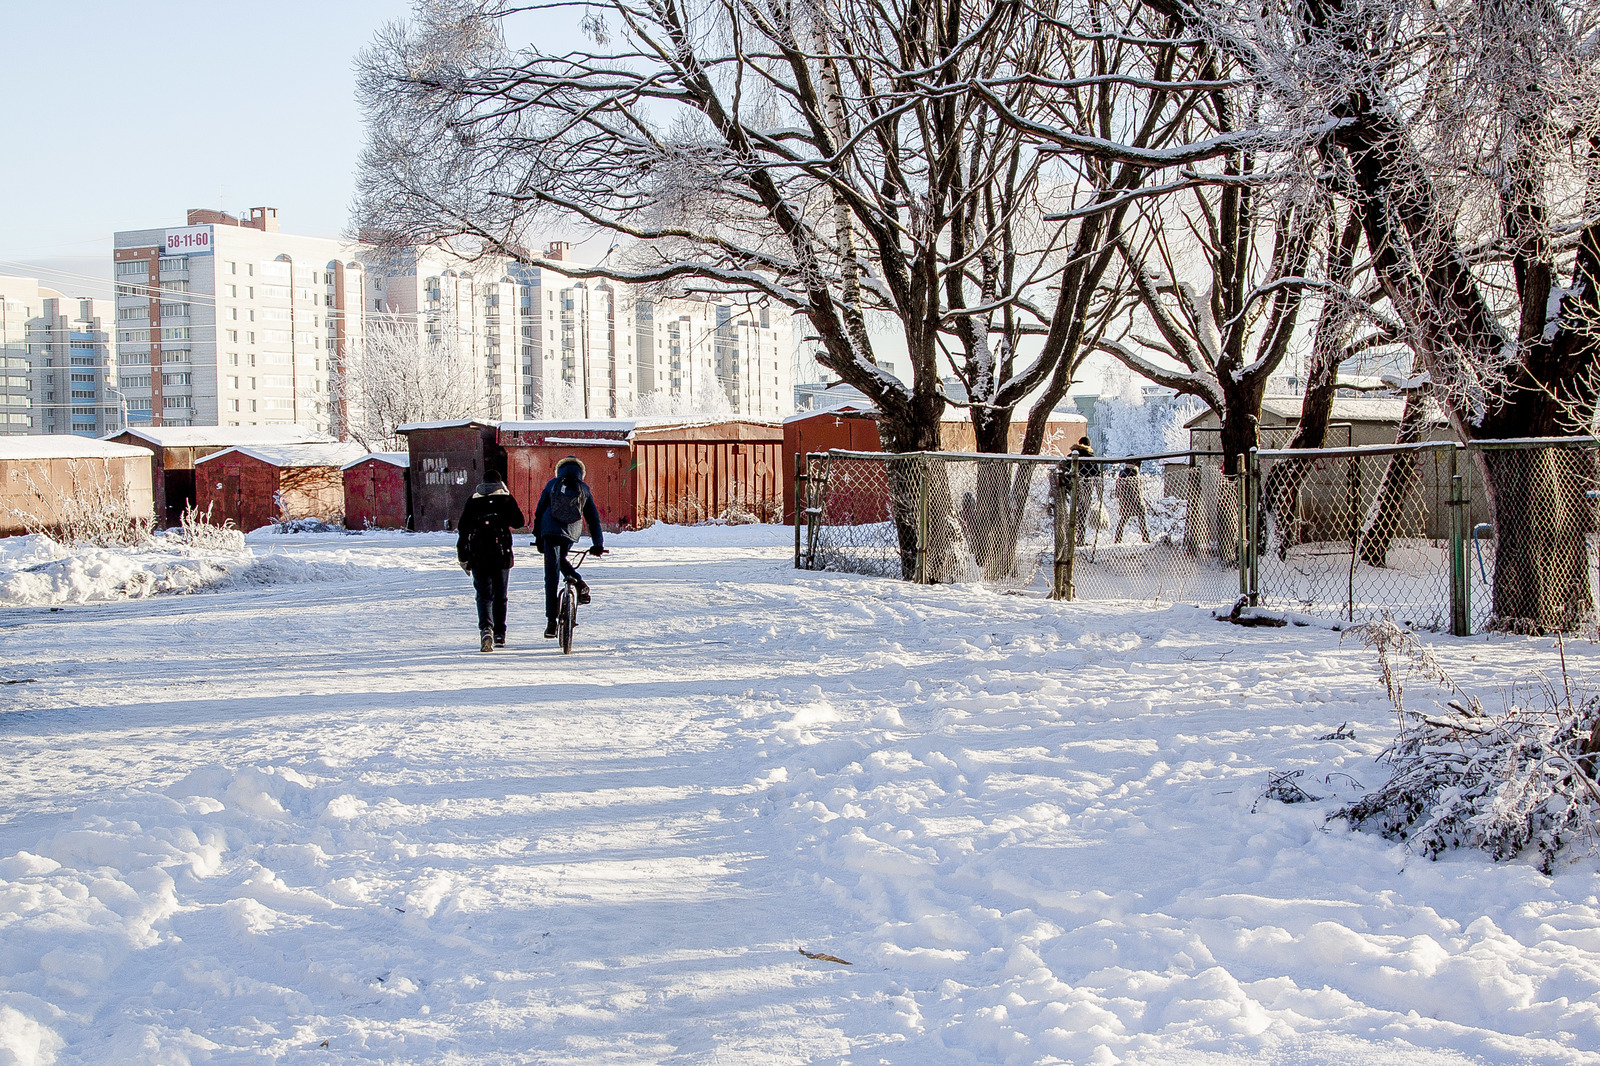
pixel 228 321
pixel 549 345
pixel 57 374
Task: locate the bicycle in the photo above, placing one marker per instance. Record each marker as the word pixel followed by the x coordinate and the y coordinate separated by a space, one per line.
pixel 567 606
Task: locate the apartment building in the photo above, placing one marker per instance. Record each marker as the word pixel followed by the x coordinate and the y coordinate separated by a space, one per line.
pixel 57 374
pixel 230 321
pixel 227 321
pixel 549 345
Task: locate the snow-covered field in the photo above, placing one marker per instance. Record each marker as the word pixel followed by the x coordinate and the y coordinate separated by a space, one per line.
pixel 298 817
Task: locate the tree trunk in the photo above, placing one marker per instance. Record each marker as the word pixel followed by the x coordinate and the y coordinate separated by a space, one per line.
pixel 1399 486
pixel 1541 551
pixel 919 493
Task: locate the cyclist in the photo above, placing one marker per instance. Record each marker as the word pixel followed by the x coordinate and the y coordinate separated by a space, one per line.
pixel 483 547
pixel 564 506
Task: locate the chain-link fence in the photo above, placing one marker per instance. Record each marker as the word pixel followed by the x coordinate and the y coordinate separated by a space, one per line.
pixel 1157 528
pixel 1532 558
pixel 1356 533
pixel 1492 535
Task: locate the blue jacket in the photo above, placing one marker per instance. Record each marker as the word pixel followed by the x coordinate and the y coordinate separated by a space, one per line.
pixel 544 520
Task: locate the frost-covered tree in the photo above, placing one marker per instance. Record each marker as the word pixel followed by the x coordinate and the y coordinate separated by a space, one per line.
pixel 1466 136
pixel 399 373
pixel 958 168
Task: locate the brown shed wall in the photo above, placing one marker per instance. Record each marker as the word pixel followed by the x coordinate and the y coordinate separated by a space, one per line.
pixel 32 491
pixel 858 432
pixel 607 473
pixel 376 496
pixel 250 493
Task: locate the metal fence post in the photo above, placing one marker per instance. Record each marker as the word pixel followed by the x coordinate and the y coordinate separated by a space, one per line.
pixel 922 518
pixel 1253 487
pixel 801 500
pixel 1460 579
pixel 1060 512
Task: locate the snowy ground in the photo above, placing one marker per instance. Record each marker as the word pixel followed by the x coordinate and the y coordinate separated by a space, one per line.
pixel 290 812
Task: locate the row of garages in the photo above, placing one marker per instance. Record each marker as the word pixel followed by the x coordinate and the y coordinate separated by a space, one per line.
pixel 641 471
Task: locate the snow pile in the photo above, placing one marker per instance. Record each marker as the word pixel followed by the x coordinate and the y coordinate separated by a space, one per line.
pixel 37 571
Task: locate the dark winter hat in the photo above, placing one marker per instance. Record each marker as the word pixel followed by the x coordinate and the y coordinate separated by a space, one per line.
pixel 1083 440
pixel 564 468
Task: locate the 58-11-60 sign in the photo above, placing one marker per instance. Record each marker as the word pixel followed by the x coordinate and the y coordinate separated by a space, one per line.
pixel 191 240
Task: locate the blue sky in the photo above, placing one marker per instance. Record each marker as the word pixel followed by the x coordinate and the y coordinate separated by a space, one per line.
pixel 124 114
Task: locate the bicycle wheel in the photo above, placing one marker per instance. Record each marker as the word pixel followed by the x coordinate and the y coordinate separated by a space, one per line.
pixel 567 618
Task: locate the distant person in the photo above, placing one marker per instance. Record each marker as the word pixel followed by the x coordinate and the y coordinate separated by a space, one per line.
pixel 483 547
pixel 1090 491
pixel 1130 501
pixel 564 506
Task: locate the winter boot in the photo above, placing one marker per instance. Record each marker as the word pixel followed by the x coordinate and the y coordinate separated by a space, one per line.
pixel 550 628
pixel 487 641
pixel 499 640
pixel 583 592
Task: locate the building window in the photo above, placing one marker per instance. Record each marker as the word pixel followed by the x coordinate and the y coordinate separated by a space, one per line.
pixel 233 383
pixel 233 358
pixel 233 268
pixel 232 335
pixel 233 405
pixel 252 404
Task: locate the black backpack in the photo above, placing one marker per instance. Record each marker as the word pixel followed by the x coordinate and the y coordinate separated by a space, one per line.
pixel 566 501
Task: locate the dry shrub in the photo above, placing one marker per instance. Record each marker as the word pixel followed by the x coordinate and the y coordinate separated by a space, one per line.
pixel 1504 782
pixel 196 530
pixel 95 508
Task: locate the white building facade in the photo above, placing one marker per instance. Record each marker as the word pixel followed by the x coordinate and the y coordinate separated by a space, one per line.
pixel 229 322
pixel 57 371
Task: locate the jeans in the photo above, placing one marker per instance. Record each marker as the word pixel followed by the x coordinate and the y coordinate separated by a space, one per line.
pixel 555 564
pixel 490 585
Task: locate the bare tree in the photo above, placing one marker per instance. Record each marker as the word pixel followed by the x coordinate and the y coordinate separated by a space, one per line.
pixel 1467 137
pixel 400 373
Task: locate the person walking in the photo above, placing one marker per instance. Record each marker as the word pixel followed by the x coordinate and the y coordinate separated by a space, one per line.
pixel 483 547
pixel 565 505
pixel 1130 501
pixel 1090 490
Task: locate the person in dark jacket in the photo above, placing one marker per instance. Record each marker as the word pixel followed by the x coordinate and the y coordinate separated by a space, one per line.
pixel 1130 501
pixel 564 506
pixel 1090 489
pixel 483 547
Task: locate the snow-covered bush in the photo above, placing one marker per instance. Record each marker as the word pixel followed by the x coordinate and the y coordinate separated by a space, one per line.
pixel 1130 422
pixel 1506 782
pixel 195 530
pixel 93 508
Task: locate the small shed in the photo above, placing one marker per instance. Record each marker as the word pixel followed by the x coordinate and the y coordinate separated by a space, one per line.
pixel 177 448
pixel 448 461
pixel 52 481
pixel 254 486
pixel 853 427
pixel 654 470
pixel 377 493
pixel 1355 421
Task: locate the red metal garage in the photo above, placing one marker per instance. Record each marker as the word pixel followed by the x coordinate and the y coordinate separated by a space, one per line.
pixel 376 493
pixel 253 487
pixel 60 482
pixel 654 470
pixel 177 448
pixel 854 427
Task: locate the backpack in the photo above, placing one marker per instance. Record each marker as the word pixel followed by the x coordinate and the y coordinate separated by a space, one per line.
pixel 566 502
